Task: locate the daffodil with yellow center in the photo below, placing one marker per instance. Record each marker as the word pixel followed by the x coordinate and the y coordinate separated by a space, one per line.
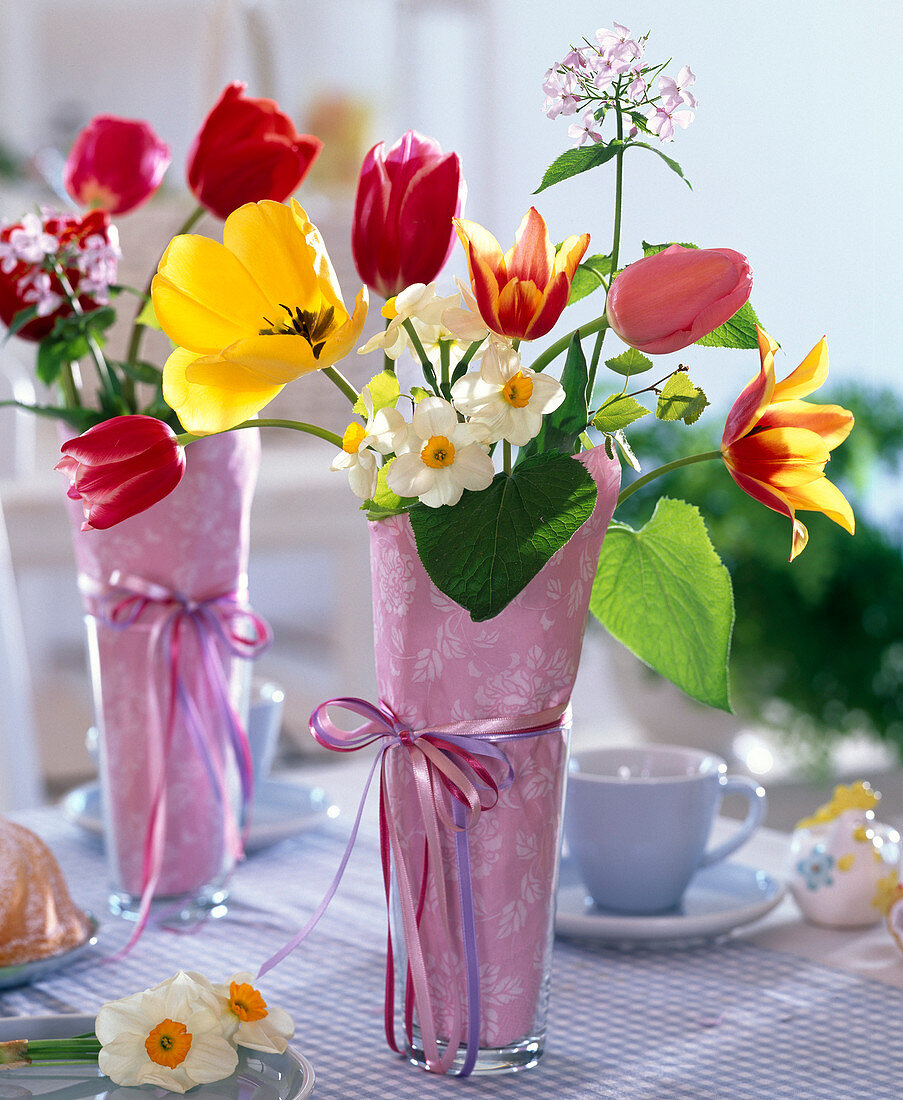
pixel 249 315
pixel 509 398
pixel 168 1043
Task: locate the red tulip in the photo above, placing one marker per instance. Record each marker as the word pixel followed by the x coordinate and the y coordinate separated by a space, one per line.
pixel 85 247
pixel 668 301
pixel 121 467
pixel 116 164
pixel 247 150
pixel 522 293
pixel 406 198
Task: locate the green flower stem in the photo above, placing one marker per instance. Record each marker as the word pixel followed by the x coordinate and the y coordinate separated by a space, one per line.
pixel 67 385
pixel 506 456
pixel 295 425
pixel 428 371
pixel 554 350
pixel 616 241
pixel 24 1052
pixel 342 382
pixel 103 369
pixel 388 361
pixel 641 482
pixel 137 334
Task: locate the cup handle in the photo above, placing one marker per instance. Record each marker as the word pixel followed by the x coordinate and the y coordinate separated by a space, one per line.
pixel 758 803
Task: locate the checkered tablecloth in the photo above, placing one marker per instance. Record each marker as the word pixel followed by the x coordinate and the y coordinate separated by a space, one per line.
pixel 729 1021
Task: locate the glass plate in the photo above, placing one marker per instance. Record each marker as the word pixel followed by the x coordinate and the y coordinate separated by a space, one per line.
pixel 259 1076
pixel 24 973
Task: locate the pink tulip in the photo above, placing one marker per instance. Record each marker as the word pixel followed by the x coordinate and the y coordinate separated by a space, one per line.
pixel 406 199
pixel 668 301
pixel 121 467
pixel 115 164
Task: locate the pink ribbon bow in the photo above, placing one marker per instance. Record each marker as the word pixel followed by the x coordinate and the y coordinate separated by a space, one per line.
pixel 221 622
pixel 459 771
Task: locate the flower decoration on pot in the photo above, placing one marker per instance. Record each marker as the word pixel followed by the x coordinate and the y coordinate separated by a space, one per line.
pixel 490 484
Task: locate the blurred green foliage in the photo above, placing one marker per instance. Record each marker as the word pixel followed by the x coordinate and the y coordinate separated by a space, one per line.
pixel 823 637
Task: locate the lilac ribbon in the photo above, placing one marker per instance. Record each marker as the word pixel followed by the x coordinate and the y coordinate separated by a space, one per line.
pixel 457 762
pixel 220 621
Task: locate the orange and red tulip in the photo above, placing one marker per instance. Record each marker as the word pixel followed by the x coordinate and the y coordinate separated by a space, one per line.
pixel 776 446
pixel 521 293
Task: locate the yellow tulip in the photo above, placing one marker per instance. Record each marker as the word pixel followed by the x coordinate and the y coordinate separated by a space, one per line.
pixel 249 315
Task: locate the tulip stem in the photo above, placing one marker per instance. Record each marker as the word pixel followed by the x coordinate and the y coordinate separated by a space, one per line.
pixel 554 350
pixel 641 482
pixel 296 425
pixel 342 382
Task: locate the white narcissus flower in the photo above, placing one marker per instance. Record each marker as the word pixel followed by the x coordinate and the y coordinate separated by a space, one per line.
pixel 442 458
pixel 384 432
pixel 255 1023
pixel 174 1036
pixel 419 304
pixel 507 396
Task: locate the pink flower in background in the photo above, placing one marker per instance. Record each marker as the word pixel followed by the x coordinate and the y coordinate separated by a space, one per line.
pixel 121 467
pixel 585 130
pixel 675 91
pixel 667 301
pixel 406 199
pixel 115 164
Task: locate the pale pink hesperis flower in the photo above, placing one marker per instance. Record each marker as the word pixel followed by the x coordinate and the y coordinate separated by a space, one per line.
pixel 672 89
pixel 584 130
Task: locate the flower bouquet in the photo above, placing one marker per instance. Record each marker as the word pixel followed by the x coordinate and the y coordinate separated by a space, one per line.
pixel 490 482
pixel 170 631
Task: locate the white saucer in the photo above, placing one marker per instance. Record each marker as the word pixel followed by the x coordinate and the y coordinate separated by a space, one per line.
pixel 718 899
pixel 281 810
pixel 287 1076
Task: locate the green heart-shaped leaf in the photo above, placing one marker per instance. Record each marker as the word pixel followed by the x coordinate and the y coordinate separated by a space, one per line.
pixel 484 550
pixel 663 592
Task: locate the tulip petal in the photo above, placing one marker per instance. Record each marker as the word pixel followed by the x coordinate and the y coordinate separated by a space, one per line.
pixel 214 406
pixel 749 406
pixel 824 496
pixel 284 255
pixel 831 422
pixel 570 254
pixel 532 257
pixel 203 297
pixel 519 305
pixel 807 377
pixel 553 301
pixel 780 456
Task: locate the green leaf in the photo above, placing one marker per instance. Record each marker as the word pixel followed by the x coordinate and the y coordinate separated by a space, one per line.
pixel 484 550
pixel 738 331
pixel 418 393
pixel 384 391
pixel 52 354
pixel 20 320
pixel 652 249
pixel 618 411
pixel 574 161
pixel 147 317
pixel 672 164
pixel 663 592
pixel 629 362
pixel 385 502
pixel 140 371
pixel 680 400
pixel 98 320
pixel 561 428
pixel 589 276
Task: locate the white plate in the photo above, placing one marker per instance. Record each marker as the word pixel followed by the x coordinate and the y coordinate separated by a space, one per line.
pixel 23 973
pixel 718 899
pixel 259 1076
pixel 281 810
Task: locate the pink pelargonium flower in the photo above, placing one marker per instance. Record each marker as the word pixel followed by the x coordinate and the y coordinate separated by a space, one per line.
pixel 121 467
pixel 115 164
pixel 668 301
pixel 407 196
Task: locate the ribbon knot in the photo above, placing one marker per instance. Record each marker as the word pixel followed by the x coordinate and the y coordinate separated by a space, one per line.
pixel 221 624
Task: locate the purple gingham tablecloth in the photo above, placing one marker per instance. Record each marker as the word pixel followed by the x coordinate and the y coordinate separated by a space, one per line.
pixel 728 1020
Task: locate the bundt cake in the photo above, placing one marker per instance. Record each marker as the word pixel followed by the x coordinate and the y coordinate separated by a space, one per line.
pixel 37 916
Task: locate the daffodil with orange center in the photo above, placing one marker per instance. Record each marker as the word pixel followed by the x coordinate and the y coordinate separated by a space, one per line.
pixel 521 293
pixel 776 446
pixel 249 315
pixel 247 1017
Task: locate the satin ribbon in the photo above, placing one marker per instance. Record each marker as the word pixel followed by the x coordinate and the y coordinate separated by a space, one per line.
pixel 458 770
pixel 221 623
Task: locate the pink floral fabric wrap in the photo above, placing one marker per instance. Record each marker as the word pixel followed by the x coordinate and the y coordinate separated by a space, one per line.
pixel 435 665
pixel 194 542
